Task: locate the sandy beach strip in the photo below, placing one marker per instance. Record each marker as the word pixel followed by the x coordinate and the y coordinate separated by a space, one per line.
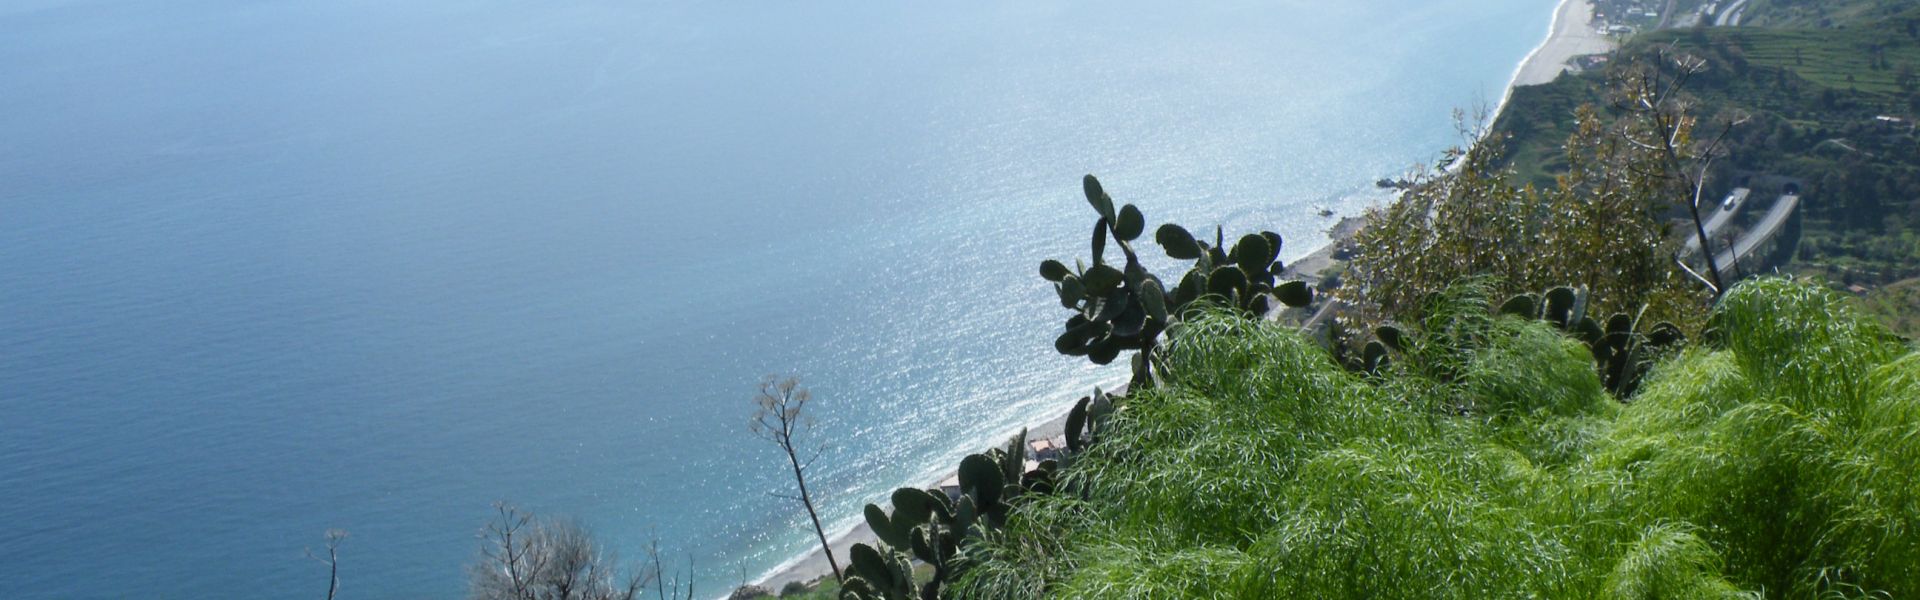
pixel 1573 34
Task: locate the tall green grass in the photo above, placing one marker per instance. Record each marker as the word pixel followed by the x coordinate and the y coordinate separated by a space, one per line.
pixel 1782 461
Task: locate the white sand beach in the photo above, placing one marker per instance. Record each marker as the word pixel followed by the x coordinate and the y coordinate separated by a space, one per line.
pixel 1573 35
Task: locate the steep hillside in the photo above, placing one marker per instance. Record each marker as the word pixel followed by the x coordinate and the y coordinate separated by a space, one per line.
pixel 1832 111
pixel 1775 461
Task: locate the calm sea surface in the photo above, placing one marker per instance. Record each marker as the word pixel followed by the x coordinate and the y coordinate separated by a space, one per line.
pixel 269 267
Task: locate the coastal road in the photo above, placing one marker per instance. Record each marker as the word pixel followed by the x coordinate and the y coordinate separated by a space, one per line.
pixel 1768 227
pixel 1723 212
pixel 1730 17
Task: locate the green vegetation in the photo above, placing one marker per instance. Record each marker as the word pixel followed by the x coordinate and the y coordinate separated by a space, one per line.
pixel 1896 304
pixel 1127 307
pixel 1455 432
pixel 1522 395
pixel 1622 345
pixel 1821 13
pixel 928 526
pixel 1598 226
pixel 1630 432
pixel 1865 61
pixel 1777 461
pixel 826 588
pixel 1809 106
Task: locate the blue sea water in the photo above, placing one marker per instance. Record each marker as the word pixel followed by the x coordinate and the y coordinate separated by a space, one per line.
pixel 270 267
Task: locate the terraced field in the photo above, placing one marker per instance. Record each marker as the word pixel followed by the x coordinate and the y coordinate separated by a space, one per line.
pixel 1865 60
pixel 1820 13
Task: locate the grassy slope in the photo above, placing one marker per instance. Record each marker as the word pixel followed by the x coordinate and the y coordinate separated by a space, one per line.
pixel 1783 460
pixel 1536 121
pixel 1898 305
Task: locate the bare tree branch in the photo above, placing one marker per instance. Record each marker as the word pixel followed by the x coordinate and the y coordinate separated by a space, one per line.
pixel 780 417
pixel 1695 275
pixel 1656 96
pixel 334 537
pixel 523 558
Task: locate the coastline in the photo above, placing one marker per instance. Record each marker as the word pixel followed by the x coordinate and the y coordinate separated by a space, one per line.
pixel 812 566
pixel 1569 35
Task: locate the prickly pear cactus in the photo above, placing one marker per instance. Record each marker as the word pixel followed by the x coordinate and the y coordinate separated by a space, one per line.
pixel 1117 308
pixel 1124 307
pixel 1623 347
pixel 1244 276
pixel 878 575
pixel 929 526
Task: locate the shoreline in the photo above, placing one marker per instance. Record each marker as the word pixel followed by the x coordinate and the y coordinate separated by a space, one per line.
pixel 811 566
pixel 1570 34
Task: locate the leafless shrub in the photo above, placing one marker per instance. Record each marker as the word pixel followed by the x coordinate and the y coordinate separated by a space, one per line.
pixel 527 558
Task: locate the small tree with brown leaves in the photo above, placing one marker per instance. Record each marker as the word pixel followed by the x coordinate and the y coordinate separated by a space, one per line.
pixel 1599 227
